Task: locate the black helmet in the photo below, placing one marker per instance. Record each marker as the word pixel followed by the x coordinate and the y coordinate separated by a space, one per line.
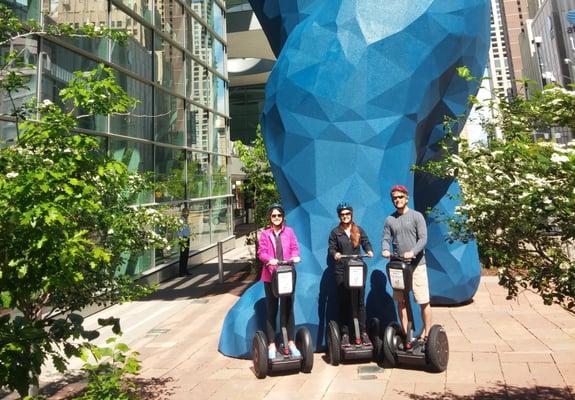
pixel 344 206
pixel 275 206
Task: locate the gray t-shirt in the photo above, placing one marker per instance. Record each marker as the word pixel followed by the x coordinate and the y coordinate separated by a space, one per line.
pixel 405 232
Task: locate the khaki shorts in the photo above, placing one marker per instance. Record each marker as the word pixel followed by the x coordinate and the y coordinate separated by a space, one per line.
pixel 420 286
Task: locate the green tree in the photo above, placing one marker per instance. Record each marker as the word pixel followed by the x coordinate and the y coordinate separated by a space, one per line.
pixel 518 195
pixel 67 219
pixel 259 185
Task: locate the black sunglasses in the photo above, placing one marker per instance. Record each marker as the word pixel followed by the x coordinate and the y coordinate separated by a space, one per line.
pixel 398 197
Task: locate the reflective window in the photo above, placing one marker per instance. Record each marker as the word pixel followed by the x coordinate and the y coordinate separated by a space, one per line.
pixel 200 224
pixel 140 7
pixel 220 178
pixel 169 118
pixel 221 219
pixel 170 174
pixel 25 9
pixel 202 8
pixel 138 157
pixel 220 100
pixel 169 66
pixel 220 139
pixel 136 263
pixel 27 48
pixel 79 13
pixel 199 124
pixel 168 254
pixel 198 175
pixel 136 54
pixel 219 57
pixel 218 20
pixel 58 69
pixel 202 85
pixel 171 19
pixel 140 122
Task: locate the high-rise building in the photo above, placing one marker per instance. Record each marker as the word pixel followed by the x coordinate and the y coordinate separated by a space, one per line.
pixel 514 13
pixel 174 64
pixel 500 70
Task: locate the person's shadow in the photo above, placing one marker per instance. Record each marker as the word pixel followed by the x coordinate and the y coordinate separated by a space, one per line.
pixel 327 308
pixel 379 303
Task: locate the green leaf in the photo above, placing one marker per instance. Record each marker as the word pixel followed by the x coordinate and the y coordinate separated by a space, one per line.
pixel 6 299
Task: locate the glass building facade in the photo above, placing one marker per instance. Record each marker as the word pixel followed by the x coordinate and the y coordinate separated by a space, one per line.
pixel 174 64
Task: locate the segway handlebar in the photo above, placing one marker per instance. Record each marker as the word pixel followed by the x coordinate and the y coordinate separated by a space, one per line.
pixel 285 262
pixel 354 256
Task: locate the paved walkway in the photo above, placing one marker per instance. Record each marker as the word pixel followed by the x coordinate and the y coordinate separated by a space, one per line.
pixel 499 349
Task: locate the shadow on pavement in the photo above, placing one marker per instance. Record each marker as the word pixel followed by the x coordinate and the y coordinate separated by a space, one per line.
pixel 500 391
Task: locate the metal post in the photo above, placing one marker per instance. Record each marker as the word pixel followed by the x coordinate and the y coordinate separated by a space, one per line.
pixel 221 260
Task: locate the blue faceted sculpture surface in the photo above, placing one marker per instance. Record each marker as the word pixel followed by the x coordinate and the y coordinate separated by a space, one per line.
pixel 358 95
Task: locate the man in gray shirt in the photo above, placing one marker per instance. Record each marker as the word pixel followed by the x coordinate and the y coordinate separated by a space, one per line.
pixel 405 235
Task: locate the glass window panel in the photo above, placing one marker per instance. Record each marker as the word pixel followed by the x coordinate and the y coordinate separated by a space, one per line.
pixel 219 57
pixel 140 122
pixel 220 178
pixel 169 254
pixel 201 85
pixel 199 224
pixel 25 9
pixel 171 19
pixel 218 18
pixel 198 167
pixel 169 66
pixel 79 13
pixel 169 118
pixel 7 133
pixel 202 42
pixel 27 48
pixel 140 7
pixel 220 101
pixel 136 263
pixel 58 69
pixel 189 34
pixel 221 219
pixel 136 54
pixel 170 174
pixel 199 125
pixel 201 7
pixel 138 157
pixel 220 139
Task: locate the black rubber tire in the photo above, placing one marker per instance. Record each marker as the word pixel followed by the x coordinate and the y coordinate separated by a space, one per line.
pixel 373 331
pixel 260 354
pixel 437 349
pixel 333 343
pixel 305 346
pixel 391 337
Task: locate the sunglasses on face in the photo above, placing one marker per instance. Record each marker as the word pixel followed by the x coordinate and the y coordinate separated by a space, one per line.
pixel 277 216
pixel 397 197
pixel 344 214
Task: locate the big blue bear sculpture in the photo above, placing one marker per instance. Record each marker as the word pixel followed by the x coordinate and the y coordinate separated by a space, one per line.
pixel 358 95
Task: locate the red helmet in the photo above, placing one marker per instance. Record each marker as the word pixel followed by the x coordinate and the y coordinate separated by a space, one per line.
pixel 399 188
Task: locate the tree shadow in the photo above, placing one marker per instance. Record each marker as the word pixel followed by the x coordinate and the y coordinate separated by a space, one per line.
pixel 500 391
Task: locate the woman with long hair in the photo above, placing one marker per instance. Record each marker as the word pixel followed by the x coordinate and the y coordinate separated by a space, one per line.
pixel 348 238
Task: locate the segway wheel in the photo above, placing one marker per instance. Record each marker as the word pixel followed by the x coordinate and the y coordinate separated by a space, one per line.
pixel 304 345
pixel 260 354
pixel 373 332
pixel 437 350
pixel 333 343
pixel 391 338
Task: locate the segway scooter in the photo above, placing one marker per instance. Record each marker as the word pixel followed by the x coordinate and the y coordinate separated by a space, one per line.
pixel 398 348
pixel 283 285
pixel 354 277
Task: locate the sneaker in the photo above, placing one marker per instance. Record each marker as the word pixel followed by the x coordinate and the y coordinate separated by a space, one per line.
pixel 365 339
pixel 271 353
pixel 345 340
pixel 293 350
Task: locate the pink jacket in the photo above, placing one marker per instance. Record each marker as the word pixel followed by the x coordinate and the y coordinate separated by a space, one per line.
pixel 267 249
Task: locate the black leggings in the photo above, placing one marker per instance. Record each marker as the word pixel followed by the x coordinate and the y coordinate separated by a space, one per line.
pixel 286 313
pixel 346 313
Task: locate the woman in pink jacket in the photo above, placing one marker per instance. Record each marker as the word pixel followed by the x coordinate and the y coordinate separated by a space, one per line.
pixel 277 243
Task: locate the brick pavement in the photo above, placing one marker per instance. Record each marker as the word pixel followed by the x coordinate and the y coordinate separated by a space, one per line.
pixel 499 349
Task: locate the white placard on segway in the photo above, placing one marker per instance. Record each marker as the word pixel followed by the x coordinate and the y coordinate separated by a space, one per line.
pixel 356 276
pixel 285 283
pixel 396 279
